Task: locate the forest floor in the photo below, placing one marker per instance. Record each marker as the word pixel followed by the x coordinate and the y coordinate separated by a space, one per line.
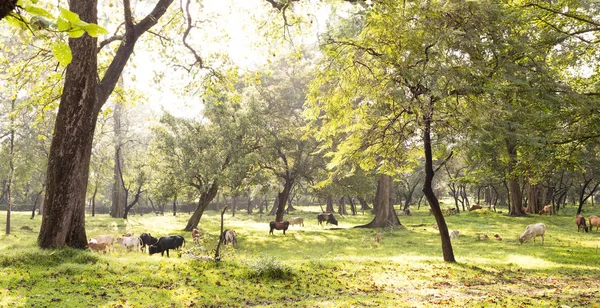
pixel 311 266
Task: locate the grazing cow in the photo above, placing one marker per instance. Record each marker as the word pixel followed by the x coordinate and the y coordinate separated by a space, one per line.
pixel 328 217
pixel 230 237
pixel 475 207
pixel 196 235
pixel 297 221
pixel 546 210
pixel 580 221
pixel 165 243
pixel 454 235
pixel 497 237
pixel 483 237
pixel 107 240
pixel 279 225
pixel 594 222
pixel 97 247
pixel 147 240
pixel 378 237
pixel 533 231
pixel 130 242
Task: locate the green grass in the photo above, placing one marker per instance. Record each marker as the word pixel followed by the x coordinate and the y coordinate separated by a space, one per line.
pixel 312 266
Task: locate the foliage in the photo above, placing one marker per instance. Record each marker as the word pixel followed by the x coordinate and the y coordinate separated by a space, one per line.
pixel 269 267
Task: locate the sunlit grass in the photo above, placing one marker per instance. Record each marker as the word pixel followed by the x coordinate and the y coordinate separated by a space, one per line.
pixel 310 266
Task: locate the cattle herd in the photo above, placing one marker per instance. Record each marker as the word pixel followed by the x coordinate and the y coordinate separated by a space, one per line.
pixel 105 242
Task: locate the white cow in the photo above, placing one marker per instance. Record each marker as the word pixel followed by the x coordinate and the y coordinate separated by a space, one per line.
pixel 130 242
pixel 533 231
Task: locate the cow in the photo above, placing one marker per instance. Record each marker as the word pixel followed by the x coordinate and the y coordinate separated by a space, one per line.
pixel 546 210
pixel 454 235
pixel 497 237
pixel 279 225
pixel 97 247
pixel 594 222
pixel 475 207
pixel 533 231
pixel 580 221
pixel 107 240
pixel 297 221
pixel 378 237
pixel 230 237
pixel 328 218
pixel 147 240
pixel 130 242
pixel 165 243
pixel 196 235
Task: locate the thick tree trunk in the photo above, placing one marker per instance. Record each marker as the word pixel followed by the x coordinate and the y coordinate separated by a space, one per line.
pixel 385 215
pixel 205 199
pixel 514 189
pixel 352 206
pixel 329 204
pixel 63 221
pixel 283 197
pixel 447 250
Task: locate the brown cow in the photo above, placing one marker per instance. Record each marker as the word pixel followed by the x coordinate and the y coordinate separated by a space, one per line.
pixel 546 210
pixel 580 221
pixel 279 225
pixel 594 222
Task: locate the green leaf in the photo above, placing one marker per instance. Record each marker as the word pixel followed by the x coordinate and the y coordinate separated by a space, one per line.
pixel 70 16
pixel 38 11
pixel 94 30
pixel 62 52
pixel 13 22
pixel 76 33
pixel 63 25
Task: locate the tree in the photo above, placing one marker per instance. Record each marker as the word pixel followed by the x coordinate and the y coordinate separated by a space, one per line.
pixel 83 95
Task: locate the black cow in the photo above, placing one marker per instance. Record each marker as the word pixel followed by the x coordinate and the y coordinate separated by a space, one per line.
pixel 279 225
pixel 147 240
pixel 165 243
pixel 328 217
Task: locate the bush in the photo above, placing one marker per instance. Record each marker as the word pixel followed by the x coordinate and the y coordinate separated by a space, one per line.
pixel 269 267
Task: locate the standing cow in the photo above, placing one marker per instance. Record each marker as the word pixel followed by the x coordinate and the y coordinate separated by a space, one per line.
pixel 147 240
pixel 328 218
pixel 130 242
pixel 580 221
pixel 279 225
pixel 167 242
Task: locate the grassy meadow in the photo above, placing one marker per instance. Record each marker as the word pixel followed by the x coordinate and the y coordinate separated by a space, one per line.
pixel 312 266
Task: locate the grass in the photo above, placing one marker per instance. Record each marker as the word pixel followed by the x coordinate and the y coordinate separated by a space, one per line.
pixel 312 266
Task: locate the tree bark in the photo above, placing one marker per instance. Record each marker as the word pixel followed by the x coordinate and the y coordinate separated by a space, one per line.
pixel 364 206
pixel 385 215
pixel 283 197
pixel 447 250
pixel 205 199
pixel 514 189
pixel 329 206
pixel 119 199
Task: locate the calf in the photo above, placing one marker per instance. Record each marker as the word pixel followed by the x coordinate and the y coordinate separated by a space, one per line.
pixel 279 225
pixel 594 222
pixel 130 242
pixel 580 221
pixel 328 218
pixel 107 240
pixel 454 235
pixel 533 231
pixel 97 247
pixel 546 210
pixel 196 235
pixel 230 238
pixel 297 221
pixel 165 243
pixel 147 240
pixel 497 237
pixel 378 237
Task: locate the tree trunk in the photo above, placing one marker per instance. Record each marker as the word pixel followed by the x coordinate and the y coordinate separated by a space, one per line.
pixel 233 205
pixel 364 206
pixel 329 206
pixel 385 215
pixel 283 197
pixel 273 210
pixel 119 200
pixel 205 199
pixel 342 206
pixel 175 206
pixel 94 200
pixel 514 189
pixel 447 250
pixel 352 206
pixel 63 221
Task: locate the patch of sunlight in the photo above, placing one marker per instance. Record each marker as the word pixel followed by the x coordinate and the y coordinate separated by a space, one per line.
pixel 530 262
pixel 11 301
